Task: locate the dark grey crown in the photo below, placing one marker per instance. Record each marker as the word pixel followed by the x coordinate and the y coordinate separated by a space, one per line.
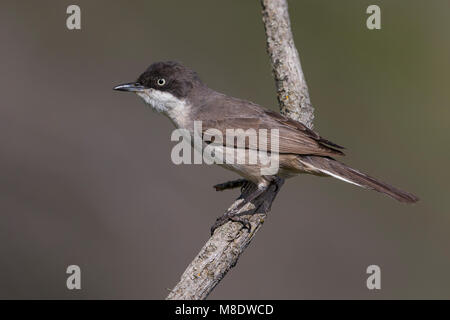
pixel 170 76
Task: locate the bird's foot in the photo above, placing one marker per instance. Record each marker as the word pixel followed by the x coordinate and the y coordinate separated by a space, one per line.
pixel 231 185
pixel 229 217
pixel 236 215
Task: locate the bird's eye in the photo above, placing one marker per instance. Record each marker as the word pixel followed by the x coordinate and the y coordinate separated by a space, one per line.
pixel 161 82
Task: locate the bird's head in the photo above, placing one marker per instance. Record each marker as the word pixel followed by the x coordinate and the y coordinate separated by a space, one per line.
pixel 164 85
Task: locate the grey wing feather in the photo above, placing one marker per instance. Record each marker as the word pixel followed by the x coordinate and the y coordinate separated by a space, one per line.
pixel 293 136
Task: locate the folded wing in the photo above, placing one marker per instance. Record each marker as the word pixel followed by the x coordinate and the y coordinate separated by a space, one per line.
pixel 248 131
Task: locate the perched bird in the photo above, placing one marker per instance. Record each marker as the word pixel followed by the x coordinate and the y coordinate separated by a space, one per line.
pixel 177 92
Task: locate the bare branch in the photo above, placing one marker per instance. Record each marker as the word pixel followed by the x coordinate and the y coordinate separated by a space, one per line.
pixel 292 91
pixel 221 252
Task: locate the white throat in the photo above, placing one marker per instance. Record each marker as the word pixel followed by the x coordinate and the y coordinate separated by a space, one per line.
pixel 176 109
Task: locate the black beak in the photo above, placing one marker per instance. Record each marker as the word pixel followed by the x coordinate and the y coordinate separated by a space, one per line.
pixel 130 87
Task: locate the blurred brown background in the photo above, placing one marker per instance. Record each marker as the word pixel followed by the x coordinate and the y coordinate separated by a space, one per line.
pixel 80 184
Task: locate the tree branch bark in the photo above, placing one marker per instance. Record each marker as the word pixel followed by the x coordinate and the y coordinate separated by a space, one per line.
pixel 292 90
pixel 221 252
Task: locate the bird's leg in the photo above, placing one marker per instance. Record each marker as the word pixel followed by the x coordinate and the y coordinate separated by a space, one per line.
pixel 235 214
pixel 230 185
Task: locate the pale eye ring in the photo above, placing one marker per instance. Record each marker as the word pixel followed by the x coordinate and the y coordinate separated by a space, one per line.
pixel 161 82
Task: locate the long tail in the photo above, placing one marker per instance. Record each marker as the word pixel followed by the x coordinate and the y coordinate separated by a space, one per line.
pixel 336 169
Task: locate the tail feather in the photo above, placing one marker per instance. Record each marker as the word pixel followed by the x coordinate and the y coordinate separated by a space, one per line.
pixel 341 171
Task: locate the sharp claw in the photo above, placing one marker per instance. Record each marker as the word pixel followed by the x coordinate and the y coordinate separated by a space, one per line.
pixel 234 214
pixel 245 223
pixel 230 185
pixel 220 222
